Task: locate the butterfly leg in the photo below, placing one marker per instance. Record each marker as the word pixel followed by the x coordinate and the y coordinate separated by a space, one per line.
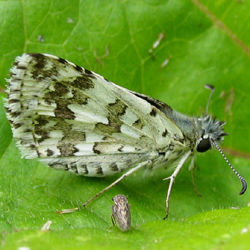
pixel 191 168
pixel 172 178
pixel 131 171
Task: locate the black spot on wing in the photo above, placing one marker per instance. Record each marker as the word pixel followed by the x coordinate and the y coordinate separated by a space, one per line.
pixel 49 152
pixel 97 151
pixel 164 134
pixel 84 169
pixel 67 149
pixel 73 167
pixel 88 72
pixel 113 167
pixel 16 125
pixel 79 69
pixel 99 170
pixel 62 61
pixel 64 112
pixel 21 66
pixel 15 114
pixel 41 121
pixel 154 102
pixel 82 82
pixel 42 67
pixel 153 112
pixel 42 134
pixel 39 60
pixel 138 124
pixel 118 108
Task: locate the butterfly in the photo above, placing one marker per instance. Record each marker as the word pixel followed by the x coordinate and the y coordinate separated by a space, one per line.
pixel 73 119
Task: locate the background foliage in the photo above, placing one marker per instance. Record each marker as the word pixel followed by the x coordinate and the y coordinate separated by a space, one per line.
pixel 204 42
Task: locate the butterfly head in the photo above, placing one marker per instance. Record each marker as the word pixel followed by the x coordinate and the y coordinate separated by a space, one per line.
pixel 211 131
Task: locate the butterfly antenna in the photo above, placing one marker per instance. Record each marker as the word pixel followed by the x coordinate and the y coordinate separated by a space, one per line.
pixel 211 87
pixel 243 182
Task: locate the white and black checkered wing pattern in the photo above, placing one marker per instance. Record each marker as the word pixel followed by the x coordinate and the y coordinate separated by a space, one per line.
pixel 74 119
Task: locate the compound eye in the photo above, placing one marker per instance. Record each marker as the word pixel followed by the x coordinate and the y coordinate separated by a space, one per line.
pixel 204 145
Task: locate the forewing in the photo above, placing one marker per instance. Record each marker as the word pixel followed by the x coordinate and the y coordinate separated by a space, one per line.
pixel 62 113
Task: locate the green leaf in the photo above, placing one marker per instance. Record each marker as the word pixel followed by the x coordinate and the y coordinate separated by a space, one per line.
pixel 205 42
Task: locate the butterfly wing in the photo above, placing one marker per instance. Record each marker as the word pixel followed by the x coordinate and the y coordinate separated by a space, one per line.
pixel 74 119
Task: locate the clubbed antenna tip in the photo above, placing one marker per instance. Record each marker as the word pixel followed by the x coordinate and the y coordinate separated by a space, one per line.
pixel 244 186
pixel 243 182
